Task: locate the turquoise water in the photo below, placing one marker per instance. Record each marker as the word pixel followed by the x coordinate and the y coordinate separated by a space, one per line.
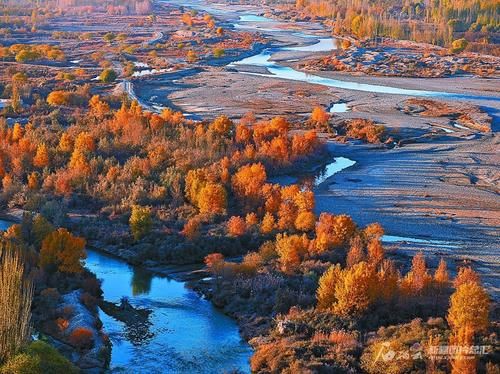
pixel 185 333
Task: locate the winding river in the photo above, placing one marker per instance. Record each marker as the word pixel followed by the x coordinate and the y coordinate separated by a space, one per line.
pixel 185 333
pixel 277 70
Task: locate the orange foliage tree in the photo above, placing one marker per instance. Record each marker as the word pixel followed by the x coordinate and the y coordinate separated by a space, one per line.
pixel 41 158
pixel 319 116
pixel 236 226
pixel 212 199
pixel 333 231
pixel 62 251
pixel 248 181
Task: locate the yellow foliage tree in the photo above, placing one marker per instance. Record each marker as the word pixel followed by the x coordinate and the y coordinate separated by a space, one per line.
pixel 41 158
pixel 326 288
pixel 63 252
pixel 140 221
pixel 305 221
pixel 469 306
pixel 356 290
pixel 212 199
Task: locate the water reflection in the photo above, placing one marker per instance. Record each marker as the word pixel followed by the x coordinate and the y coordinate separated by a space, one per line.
pixel 141 281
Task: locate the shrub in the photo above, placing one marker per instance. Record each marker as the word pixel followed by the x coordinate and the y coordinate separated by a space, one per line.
pixel 39 357
pixel 82 338
pixel 459 45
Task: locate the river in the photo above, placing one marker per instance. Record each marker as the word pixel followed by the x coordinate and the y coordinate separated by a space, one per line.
pixel 184 333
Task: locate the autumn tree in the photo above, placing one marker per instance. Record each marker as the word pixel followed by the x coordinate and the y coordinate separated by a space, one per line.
pixel 191 56
pixel 212 199
pixel 356 253
pixel 222 125
pixel 469 306
pixel 268 224
pixel 215 263
pixel 333 231
pixel 465 275
pixel 41 158
pixel 305 221
pixel 251 219
pixel 319 116
pixel 33 181
pixel 66 143
pixel 248 181
pixel 468 315
pixel 291 249
pixel 98 107
pixel 17 132
pixel 388 280
pixel 236 226
pixel 373 231
pixel 418 279
pixel 356 290
pixel 195 181
pixel 16 293
pixel 63 252
pixel 191 229
pixel 326 288
pixel 140 221
pixel 441 277
pixel 375 251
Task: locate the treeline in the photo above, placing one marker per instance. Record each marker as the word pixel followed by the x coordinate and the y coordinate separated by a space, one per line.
pixel 329 299
pixel 425 21
pixel 120 7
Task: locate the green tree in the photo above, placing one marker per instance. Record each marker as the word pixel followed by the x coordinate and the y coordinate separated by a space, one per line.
pixel 140 221
pixel 108 76
pixel 109 37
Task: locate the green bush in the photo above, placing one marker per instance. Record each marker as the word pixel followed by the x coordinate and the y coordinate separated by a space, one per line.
pixel 108 76
pixel 38 358
pixel 459 45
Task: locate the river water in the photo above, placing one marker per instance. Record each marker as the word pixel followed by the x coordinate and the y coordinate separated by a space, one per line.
pixel 185 333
